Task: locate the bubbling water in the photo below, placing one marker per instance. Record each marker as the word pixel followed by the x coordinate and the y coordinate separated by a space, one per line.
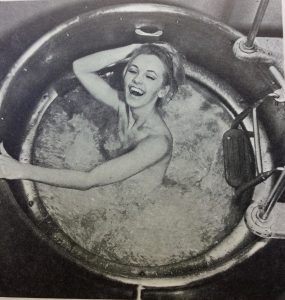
pixel 188 214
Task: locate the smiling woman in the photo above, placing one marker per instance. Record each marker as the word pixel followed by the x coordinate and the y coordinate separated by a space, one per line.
pixel 153 72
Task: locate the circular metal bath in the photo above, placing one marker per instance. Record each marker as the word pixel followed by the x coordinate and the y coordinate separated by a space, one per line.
pixel 191 228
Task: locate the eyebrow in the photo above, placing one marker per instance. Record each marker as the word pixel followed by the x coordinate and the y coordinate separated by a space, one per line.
pixel 152 71
pixel 133 65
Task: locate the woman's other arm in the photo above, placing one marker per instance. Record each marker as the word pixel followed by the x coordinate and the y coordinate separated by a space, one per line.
pixel 147 153
pixel 85 69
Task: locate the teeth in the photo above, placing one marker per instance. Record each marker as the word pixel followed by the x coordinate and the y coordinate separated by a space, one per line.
pixel 136 91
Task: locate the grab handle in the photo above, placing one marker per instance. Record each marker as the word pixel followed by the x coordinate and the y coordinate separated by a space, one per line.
pixel 148 33
pixel 147 30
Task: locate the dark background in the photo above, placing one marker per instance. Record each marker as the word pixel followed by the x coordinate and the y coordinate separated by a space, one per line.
pixel 28 267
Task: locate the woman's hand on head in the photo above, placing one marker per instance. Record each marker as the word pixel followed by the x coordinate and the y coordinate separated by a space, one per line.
pixel 134 46
pixel 9 167
pixel 167 46
pixel 130 49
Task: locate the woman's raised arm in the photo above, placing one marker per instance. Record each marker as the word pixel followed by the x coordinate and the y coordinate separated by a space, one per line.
pixel 85 69
pixel 148 152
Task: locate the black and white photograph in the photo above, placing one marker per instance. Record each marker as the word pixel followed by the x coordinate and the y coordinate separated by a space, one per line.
pixel 142 149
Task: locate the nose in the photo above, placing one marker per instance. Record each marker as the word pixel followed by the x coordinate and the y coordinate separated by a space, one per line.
pixel 137 78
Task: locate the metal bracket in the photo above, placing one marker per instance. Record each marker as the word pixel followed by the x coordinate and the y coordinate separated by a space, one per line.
pixel 273 227
pixel 255 54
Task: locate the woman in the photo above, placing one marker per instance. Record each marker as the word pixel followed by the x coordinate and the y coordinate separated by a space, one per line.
pixel 152 72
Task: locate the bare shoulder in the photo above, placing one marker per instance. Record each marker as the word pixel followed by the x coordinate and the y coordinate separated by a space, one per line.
pixel 159 130
pixel 159 144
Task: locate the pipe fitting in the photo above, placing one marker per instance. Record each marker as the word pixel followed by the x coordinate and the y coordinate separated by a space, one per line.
pixel 255 54
pixel 256 224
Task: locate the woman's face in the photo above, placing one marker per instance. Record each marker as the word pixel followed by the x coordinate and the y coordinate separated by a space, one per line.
pixel 144 81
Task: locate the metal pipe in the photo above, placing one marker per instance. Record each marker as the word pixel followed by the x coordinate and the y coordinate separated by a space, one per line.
pixel 274 196
pixel 254 182
pixel 139 292
pixel 257 141
pixel 278 76
pixel 256 24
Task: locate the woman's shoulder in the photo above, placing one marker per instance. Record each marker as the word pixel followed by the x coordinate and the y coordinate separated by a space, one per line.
pixel 156 144
pixel 159 129
pixel 159 136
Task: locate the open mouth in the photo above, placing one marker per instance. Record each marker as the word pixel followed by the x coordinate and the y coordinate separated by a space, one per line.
pixel 136 91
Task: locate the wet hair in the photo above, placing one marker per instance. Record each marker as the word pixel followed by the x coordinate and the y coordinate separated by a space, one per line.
pixel 172 61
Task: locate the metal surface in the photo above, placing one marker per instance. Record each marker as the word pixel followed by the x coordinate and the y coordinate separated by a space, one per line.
pixel 51 49
pixel 256 23
pixel 279 78
pixel 271 227
pixel 257 146
pixel 274 196
pixel 260 219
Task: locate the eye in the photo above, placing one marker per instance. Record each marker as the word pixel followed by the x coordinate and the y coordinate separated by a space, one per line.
pixel 152 77
pixel 132 70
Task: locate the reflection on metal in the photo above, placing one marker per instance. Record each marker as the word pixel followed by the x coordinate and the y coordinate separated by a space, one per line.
pixel 33 202
pixel 257 141
pixel 148 31
pixel 139 292
pixel 280 79
pixel 28 54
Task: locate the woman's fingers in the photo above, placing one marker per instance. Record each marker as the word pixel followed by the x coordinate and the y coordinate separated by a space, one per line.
pixel 3 150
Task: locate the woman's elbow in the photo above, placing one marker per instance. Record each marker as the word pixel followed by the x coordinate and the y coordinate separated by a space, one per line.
pixel 88 182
